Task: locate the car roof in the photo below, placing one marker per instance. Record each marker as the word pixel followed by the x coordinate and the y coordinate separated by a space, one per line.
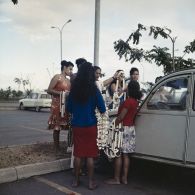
pixel 176 73
pixel 42 92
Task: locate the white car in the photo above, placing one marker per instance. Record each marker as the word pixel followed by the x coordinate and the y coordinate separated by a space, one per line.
pixel 37 100
pixel 165 124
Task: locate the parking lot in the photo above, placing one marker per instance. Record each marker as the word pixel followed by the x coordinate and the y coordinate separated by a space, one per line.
pixel 145 178
pixel 25 127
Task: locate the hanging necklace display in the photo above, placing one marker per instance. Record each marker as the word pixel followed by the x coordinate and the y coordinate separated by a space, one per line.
pixel 102 126
pixel 114 141
pixel 115 134
pixel 62 102
pixel 63 97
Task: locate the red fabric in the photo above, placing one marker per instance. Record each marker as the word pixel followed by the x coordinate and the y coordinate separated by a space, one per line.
pixel 84 141
pixel 56 122
pixel 131 104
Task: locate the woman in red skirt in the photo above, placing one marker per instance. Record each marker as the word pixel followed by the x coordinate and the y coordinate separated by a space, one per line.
pixel 83 99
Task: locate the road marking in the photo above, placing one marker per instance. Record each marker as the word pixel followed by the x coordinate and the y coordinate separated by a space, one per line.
pixel 27 127
pixel 56 186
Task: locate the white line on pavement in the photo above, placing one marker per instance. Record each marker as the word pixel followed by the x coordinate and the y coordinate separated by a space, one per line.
pixel 56 186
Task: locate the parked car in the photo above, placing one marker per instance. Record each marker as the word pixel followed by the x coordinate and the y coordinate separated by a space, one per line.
pixel 165 124
pixel 37 100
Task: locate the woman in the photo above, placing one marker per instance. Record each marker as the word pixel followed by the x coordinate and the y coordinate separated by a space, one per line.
pixel 83 99
pixel 134 74
pixel 126 115
pixel 102 84
pixel 120 88
pixel 58 84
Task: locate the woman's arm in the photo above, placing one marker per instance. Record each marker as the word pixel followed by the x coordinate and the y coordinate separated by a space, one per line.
pixel 100 102
pixel 121 116
pixel 52 84
pixel 108 81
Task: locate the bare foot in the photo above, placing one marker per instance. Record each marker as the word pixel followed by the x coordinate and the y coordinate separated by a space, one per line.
pixel 75 183
pixel 92 185
pixel 124 181
pixel 112 182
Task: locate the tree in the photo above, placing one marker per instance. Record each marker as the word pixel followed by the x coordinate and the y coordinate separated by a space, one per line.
pixel 18 81
pixel 22 81
pixel 8 92
pixel 158 55
pixel 25 82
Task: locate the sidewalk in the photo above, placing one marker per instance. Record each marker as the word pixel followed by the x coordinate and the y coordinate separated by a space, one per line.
pixel 25 171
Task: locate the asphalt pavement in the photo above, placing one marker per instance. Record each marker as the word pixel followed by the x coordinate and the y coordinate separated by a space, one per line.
pixel 145 178
pixel 25 127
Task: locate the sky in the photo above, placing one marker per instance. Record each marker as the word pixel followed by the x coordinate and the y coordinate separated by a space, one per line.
pixel 30 48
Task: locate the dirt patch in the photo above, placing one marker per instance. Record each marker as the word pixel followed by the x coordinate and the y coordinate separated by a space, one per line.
pixel 28 154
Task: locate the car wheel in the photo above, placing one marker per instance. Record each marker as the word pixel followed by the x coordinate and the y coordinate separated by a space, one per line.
pixel 37 108
pixel 21 107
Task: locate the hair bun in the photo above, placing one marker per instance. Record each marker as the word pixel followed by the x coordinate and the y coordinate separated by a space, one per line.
pixel 63 62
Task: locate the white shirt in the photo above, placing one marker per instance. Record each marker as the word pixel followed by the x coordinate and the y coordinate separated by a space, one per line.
pixel 100 85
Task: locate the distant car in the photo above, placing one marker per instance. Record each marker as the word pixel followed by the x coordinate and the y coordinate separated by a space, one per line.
pixel 36 100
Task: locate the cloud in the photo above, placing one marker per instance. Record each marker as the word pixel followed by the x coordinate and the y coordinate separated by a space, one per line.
pixel 4 19
pixel 28 26
pixel 34 18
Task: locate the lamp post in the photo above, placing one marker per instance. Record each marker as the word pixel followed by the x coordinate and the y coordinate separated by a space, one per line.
pixel 60 30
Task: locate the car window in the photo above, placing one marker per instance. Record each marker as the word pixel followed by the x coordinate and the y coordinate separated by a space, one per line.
pixel 170 96
pixel 45 96
pixel 34 95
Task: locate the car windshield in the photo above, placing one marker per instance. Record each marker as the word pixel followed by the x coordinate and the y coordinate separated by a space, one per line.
pixel 45 96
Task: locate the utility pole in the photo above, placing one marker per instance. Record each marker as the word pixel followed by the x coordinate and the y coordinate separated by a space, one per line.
pixel 96 33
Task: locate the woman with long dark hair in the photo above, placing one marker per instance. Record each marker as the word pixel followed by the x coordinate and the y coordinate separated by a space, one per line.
pixel 83 99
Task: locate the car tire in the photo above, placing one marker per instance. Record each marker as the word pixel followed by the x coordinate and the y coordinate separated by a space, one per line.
pixel 37 109
pixel 21 107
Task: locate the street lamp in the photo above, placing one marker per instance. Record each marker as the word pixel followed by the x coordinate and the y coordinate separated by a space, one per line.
pixel 60 30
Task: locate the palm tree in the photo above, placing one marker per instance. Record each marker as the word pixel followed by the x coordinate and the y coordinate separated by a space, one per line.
pixel 18 81
pixel 25 82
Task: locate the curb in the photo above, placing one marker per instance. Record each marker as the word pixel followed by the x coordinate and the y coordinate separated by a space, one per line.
pixel 25 171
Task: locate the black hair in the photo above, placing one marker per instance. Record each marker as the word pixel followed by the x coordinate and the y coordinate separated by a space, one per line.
pixel 64 63
pixel 83 85
pixel 133 70
pixel 96 68
pixel 134 90
pixel 80 61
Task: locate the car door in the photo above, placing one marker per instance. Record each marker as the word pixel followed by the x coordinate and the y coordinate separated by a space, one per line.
pixel 162 120
pixel 190 156
pixel 27 101
pixel 34 99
